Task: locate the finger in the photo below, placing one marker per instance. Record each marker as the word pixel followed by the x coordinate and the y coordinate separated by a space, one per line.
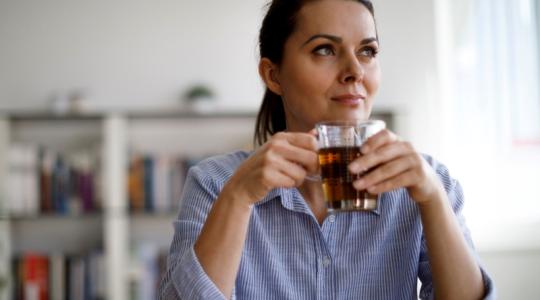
pixel 405 179
pixel 290 169
pixel 380 139
pixel 274 178
pixel 306 158
pixel 300 139
pixel 383 154
pixel 384 172
pixel 294 171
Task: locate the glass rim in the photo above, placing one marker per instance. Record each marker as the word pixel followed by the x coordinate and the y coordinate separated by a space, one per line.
pixel 349 123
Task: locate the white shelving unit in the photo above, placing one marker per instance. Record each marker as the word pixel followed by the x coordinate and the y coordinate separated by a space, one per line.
pixel 5 245
pixel 115 206
pixel 114 228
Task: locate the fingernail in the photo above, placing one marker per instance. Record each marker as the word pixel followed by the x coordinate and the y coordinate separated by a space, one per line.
pixel 354 167
pixel 359 184
pixel 371 189
pixel 365 149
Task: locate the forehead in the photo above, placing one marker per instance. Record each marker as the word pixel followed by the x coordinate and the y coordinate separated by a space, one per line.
pixel 345 18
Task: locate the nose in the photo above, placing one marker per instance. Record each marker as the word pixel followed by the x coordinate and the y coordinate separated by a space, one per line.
pixel 353 70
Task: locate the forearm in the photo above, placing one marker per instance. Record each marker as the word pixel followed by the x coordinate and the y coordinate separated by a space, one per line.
pixel 456 274
pixel 219 246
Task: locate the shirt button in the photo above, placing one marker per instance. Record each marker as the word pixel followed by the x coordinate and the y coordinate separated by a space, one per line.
pixel 331 218
pixel 326 261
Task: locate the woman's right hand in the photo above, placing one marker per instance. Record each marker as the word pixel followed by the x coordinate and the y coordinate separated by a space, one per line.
pixel 284 161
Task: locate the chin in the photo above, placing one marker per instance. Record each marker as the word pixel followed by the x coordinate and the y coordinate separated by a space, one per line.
pixel 348 116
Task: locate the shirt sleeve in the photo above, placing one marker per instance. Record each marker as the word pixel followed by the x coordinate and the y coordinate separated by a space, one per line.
pixel 455 195
pixel 185 278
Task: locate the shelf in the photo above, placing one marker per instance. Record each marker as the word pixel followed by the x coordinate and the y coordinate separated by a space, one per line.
pixel 191 115
pixel 153 215
pixel 54 216
pixel 155 228
pixel 53 233
pixel 30 116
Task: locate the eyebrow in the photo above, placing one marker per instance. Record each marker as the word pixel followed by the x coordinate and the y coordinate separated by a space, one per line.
pixel 337 39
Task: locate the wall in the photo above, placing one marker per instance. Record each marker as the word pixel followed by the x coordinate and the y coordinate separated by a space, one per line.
pixel 515 273
pixel 128 53
pixel 409 67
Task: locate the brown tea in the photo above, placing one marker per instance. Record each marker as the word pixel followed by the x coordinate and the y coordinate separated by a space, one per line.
pixel 339 192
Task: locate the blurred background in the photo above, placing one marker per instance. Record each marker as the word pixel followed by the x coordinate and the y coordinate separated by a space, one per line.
pixel 104 105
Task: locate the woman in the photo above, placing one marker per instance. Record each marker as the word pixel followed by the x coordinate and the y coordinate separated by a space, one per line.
pixel 252 227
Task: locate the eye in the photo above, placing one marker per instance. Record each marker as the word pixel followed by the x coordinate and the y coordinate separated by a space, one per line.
pixel 324 50
pixel 369 51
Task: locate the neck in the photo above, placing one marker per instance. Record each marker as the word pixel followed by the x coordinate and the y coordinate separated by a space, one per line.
pixel 313 194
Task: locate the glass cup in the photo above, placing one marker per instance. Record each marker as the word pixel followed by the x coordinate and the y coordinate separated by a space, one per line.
pixel 339 145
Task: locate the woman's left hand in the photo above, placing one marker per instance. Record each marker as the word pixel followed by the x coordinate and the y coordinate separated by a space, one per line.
pixel 394 164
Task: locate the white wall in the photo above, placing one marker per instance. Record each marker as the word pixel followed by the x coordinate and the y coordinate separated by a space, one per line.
pixel 409 68
pixel 128 53
pixel 515 273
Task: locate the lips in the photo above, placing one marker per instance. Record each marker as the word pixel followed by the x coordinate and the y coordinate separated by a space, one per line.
pixel 349 99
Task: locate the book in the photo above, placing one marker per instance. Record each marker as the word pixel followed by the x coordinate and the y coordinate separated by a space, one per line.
pixel 22 180
pixel 136 184
pixel 162 184
pixel 45 162
pixel 148 163
pixel 35 275
pixel 57 275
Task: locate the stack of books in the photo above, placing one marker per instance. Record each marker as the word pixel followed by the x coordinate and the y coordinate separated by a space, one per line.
pixel 155 182
pixel 42 181
pixel 40 277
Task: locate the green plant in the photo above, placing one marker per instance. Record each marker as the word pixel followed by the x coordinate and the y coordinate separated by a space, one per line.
pixel 199 92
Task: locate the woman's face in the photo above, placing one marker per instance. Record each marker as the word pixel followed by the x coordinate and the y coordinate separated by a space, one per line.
pixel 329 69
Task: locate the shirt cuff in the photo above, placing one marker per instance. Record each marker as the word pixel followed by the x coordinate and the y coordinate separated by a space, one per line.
pixel 191 281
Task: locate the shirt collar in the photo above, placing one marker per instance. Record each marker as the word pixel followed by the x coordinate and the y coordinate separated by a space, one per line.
pixel 287 198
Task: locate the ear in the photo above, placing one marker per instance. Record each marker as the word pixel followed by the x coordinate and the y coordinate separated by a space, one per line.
pixel 269 74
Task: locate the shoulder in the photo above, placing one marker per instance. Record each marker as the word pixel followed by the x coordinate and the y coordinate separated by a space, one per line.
pixel 220 167
pixel 204 182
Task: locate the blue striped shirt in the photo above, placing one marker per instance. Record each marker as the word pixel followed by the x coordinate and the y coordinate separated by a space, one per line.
pixel 288 255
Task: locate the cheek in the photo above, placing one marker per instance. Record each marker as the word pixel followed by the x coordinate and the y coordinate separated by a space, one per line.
pixel 373 79
pixel 306 81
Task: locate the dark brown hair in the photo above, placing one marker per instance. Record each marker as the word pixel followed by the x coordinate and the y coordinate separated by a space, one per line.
pixel 278 24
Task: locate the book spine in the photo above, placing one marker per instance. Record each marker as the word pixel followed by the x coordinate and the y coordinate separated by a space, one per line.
pixel 148 184
pixel 35 277
pixel 57 275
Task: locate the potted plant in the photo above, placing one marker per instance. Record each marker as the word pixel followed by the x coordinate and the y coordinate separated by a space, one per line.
pixel 199 98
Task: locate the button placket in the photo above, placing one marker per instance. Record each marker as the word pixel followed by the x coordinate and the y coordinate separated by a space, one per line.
pixel 331 218
pixel 326 261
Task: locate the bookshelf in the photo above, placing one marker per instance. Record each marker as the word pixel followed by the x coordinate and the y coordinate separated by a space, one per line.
pixel 126 239
pixel 111 226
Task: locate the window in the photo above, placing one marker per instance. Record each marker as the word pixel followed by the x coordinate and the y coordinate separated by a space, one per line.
pixel 489 62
